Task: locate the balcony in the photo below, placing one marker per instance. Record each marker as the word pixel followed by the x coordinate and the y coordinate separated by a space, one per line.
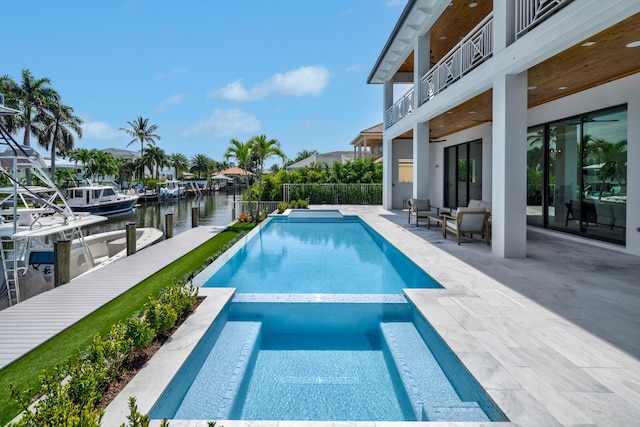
pixel 474 49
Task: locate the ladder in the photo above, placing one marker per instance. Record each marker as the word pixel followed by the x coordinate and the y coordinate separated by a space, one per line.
pixel 11 250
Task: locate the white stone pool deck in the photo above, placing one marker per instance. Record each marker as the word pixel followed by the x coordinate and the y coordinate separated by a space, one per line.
pixel 553 338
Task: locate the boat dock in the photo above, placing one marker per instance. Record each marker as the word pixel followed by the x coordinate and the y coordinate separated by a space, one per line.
pixel 26 325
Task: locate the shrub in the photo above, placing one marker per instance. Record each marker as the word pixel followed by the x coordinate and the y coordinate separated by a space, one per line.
pixel 303 204
pixel 282 206
pixel 139 333
pixel 160 316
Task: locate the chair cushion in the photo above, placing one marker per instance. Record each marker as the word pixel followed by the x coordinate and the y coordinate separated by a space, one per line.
pixel 470 209
pixel 421 204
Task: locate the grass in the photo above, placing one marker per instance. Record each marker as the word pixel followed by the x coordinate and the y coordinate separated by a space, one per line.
pixel 25 371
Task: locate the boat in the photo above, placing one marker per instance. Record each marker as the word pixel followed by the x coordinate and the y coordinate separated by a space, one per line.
pixel 33 218
pixel 148 195
pixel 171 189
pixel 99 199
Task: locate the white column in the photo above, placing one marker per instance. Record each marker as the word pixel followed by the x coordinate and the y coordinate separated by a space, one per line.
pixel 387 173
pixel 421 160
pixel 509 166
pixel 421 60
pixel 633 173
pixel 387 101
pixel 504 32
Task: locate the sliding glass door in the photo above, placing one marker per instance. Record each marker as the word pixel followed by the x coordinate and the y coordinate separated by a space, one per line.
pixel 576 175
pixel 463 174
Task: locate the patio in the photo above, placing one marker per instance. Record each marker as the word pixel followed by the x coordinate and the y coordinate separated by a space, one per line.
pixel 554 338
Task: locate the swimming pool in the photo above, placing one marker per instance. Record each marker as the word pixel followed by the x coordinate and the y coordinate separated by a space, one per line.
pixel 326 362
pixel 319 253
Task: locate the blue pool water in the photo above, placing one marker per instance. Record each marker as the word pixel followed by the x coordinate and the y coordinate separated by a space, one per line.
pixel 324 361
pixel 328 254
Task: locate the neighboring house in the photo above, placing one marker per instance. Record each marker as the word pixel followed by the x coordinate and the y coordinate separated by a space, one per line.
pixel 531 105
pixel 327 158
pixel 368 143
pixel 121 153
pixel 238 174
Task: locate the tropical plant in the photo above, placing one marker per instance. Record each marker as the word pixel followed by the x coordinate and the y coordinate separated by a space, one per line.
pixel 178 162
pixel 36 97
pixel 201 164
pixel 241 153
pixel 263 149
pixel 142 132
pixel 55 130
pixel 155 157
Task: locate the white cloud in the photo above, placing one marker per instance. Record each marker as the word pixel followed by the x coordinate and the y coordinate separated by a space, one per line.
pixel 299 82
pixel 172 73
pixel 224 123
pixel 354 68
pixel 172 100
pixel 391 3
pixel 99 130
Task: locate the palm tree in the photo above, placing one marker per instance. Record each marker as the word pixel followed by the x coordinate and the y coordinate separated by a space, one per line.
pixel 55 130
pixel 201 164
pixel 81 155
pixel 155 157
pixel 142 131
pixel 36 97
pixel 126 169
pixel 241 153
pixel 263 149
pixel 178 162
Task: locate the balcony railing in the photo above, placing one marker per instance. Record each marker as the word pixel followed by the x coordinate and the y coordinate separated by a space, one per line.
pixel 402 107
pixel 470 52
pixel 530 13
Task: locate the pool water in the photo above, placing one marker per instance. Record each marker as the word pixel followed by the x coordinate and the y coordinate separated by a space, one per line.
pixel 324 361
pixel 331 254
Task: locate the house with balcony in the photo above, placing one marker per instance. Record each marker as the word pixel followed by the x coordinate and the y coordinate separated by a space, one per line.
pixel 532 105
pixel 368 143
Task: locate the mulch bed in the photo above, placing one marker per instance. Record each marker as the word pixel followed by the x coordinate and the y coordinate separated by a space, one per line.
pixel 132 366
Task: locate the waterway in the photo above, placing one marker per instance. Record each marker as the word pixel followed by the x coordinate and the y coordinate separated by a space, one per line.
pixel 213 209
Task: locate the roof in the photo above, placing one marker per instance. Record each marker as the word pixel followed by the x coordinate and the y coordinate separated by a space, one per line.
pixel 235 171
pixel 374 132
pixel 119 152
pixel 328 158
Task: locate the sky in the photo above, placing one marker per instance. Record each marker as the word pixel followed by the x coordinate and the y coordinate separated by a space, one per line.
pixel 207 71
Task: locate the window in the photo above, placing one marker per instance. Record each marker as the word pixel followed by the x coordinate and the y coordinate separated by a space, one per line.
pixel 405 170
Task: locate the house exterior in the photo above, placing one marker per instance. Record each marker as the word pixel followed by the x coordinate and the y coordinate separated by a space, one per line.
pixel 368 143
pixel 532 105
pixel 323 158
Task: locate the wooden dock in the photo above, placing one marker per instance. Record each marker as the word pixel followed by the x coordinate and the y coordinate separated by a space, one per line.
pixel 26 325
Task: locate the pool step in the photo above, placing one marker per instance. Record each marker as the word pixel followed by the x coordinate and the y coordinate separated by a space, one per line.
pixel 432 396
pixel 222 374
pixel 462 411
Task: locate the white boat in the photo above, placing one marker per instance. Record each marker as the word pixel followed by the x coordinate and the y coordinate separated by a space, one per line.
pixel 171 189
pixel 99 199
pixel 33 218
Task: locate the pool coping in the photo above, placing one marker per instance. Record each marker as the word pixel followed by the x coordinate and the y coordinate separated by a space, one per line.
pixel 495 332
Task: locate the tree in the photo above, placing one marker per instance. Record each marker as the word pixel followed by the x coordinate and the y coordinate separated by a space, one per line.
pixel 155 156
pixel 178 162
pixel 55 130
pixel 241 153
pixel 201 164
pixel 143 132
pixel 263 149
pixel 37 97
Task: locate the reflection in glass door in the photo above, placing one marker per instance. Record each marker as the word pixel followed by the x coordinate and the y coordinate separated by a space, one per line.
pixel 576 175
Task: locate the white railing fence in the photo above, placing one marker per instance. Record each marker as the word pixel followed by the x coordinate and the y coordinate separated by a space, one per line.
pixel 402 108
pixel 470 52
pixel 530 13
pixel 241 206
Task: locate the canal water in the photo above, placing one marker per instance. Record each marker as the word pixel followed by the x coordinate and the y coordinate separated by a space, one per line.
pixel 213 209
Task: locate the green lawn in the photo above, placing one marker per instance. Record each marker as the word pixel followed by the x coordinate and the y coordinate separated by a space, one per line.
pixel 25 371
